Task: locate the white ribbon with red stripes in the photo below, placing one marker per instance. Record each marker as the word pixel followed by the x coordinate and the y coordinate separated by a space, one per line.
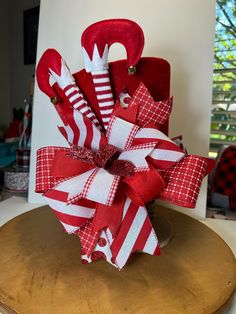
pixel 136 233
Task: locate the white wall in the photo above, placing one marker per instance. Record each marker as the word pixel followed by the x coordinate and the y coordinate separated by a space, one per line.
pixel 181 31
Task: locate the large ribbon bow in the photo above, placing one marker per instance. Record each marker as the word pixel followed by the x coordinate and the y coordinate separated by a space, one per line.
pixel 116 180
pixel 99 186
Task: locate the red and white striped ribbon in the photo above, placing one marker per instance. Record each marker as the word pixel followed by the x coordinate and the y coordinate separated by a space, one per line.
pixel 121 139
pixel 166 153
pixel 81 132
pixel 72 216
pixel 104 94
pixel 135 234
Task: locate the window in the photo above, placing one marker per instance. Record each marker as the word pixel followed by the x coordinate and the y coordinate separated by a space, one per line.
pixel 223 120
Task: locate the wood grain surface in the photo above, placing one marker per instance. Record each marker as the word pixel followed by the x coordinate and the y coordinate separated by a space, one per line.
pixel 40 271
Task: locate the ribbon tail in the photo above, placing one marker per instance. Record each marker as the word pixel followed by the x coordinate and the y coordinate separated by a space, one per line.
pixel 101 250
pixel 183 180
pixel 110 216
pixel 88 238
pixel 72 217
pixel 135 234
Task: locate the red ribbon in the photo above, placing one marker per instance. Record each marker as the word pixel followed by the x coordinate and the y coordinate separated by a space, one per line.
pixel 143 187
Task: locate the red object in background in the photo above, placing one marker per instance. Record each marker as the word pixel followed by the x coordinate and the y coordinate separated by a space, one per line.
pixel 224 181
pixel 23 157
pixel 14 131
pixel 15 127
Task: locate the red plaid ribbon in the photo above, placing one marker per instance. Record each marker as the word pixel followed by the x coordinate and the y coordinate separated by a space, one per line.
pixel 225 175
pixel 149 110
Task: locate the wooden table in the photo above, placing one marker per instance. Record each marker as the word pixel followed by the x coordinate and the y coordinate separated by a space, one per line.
pixel 40 271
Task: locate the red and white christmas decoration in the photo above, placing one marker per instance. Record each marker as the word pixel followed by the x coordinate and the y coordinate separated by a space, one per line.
pixel 98 186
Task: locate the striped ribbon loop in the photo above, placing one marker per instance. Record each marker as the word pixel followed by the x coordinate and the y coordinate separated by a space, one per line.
pixel 80 131
pixel 166 153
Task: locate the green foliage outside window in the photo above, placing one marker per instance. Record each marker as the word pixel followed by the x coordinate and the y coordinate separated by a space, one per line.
pixel 224 81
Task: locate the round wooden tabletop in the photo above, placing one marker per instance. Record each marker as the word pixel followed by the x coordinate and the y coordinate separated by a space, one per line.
pixel 41 272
